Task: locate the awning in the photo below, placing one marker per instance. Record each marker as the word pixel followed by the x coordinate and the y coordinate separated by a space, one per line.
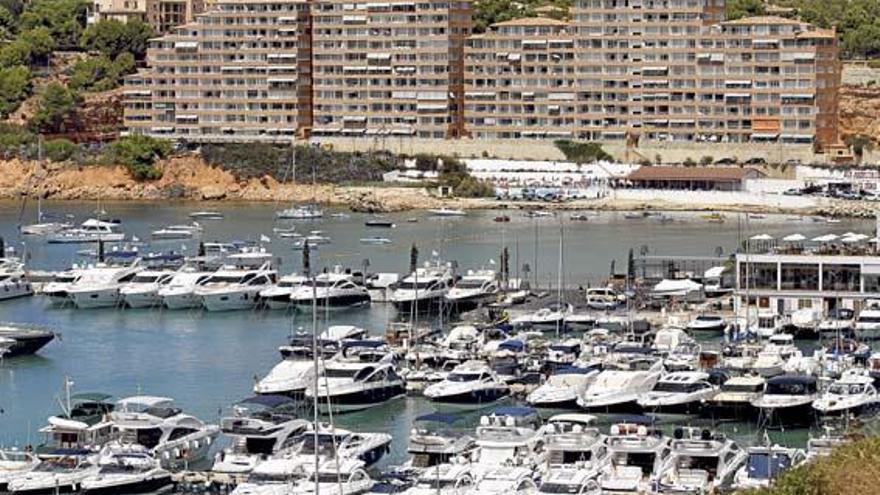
pixel 764 135
pixel 186 44
pixel 378 56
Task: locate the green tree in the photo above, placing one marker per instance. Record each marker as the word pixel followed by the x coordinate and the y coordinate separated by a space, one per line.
pixel 7 23
pixel 60 150
pixel 113 38
pixel 100 73
pixel 14 7
pixel 14 87
pixel 744 8
pixel 138 153
pixel 16 53
pixel 55 107
pixel 65 20
pixel 859 144
pixel 40 42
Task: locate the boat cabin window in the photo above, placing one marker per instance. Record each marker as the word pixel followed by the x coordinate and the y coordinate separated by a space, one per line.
pixel 766 321
pixel 226 279
pixel 682 388
pixel 791 388
pixel 418 286
pixel 559 488
pixel 261 280
pixel 329 478
pixel 127 278
pixel 641 460
pixel 65 278
pixel 145 279
pixel 470 284
pixel 571 457
pixel 59 465
pixel 742 387
pixel 149 437
pixel 339 373
pixel 846 389
pixel 377 377
pixel 869 319
pixel 262 446
pixel 708 318
pixel 268 478
pixel 464 377
pixel 180 433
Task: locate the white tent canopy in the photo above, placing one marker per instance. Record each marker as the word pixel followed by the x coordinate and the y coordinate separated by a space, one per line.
pixel 825 238
pixel 761 237
pixel 794 238
pixel 679 288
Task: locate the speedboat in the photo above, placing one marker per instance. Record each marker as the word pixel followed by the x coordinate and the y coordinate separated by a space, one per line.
pixel 63 472
pixel 621 388
pixel 701 462
pixel 92 230
pixel 638 453
pixel 573 442
pixel 207 215
pixel 707 323
pixel 853 394
pixel 342 477
pixel 126 469
pixel 868 324
pixel 431 445
pixel 474 288
pixel 177 439
pixel 337 289
pixel 562 388
pixel 235 287
pixel 179 292
pixel 177 232
pixel 278 296
pixel 678 392
pixel 99 285
pixel 259 427
pixel 423 289
pixel 551 316
pixel 788 398
pixel 775 355
pixel 447 212
pixel 13 283
pixel 305 212
pixel 505 480
pixel 734 398
pixel 142 291
pixel 361 376
pixel 837 322
pixel 14 463
pixel 294 373
pixel 765 464
pixel 470 384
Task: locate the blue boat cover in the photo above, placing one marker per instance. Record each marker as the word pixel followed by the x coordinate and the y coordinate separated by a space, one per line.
pixel 438 417
pixel 363 343
pixel 512 345
pixel 517 411
pixel 268 400
pixel 71 452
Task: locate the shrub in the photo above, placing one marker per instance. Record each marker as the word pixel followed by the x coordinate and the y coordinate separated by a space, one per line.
pixel 14 139
pixel 100 73
pixel 60 150
pixel 138 154
pixel 55 107
pixel 582 152
pixel 689 162
pixel 471 187
pixel 707 160
pixel 15 85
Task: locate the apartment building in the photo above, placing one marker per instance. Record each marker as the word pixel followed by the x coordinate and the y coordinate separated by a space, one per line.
pixel 162 15
pixel 520 81
pixel 241 71
pixel 389 68
pixel 657 70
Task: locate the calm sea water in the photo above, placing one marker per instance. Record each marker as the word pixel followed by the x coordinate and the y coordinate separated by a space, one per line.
pixel 206 361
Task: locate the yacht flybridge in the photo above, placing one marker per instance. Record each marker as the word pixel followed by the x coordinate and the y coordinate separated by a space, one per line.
pixel 473 289
pixel 423 289
pixel 701 462
pixel 337 289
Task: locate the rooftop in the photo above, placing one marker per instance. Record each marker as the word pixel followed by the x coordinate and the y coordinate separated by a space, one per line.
pixel 764 19
pixel 532 21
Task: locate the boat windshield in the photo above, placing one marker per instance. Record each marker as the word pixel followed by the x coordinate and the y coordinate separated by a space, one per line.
pixel 224 279
pixel 846 389
pixel 869 319
pixel 436 484
pixel 794 388
pixel 741 387
pixel 559 488
pixel 406 285
pixel 65 278
pixel 62 465
pixel 764 466
pixel 329 478
pixel 708 319
pixel 325 444
pixel 340 372
pixel 145 279
pixel 470 284
pixel 683 388
pixel 463 377
pixel 268 478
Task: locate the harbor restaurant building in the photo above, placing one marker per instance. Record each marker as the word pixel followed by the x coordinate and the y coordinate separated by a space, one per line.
pixel 785 283
pixel 693 178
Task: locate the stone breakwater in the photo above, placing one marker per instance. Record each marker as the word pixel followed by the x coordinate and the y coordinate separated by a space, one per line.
pixel 188 178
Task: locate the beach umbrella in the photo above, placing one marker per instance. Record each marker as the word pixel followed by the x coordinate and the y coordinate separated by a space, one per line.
pixel 856 237
pixel 825 238
pixel 761 237
pixel 874 240
pixel 794 238
pixel 850 240
pixel 850 234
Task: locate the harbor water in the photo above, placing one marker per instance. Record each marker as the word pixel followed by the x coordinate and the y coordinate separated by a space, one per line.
pixel 206 361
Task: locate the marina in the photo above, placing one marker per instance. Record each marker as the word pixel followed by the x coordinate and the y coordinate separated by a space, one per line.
pixel 460 317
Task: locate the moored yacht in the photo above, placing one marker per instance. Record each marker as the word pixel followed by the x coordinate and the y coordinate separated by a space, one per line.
pixel 470 384
pixel 56 289
pixel 304 212
pixel 142 291
pixel 620 388
pixel 423 289
pixel 126 469
pixel 177 232
pixel 551 316
pixel 342 477
pixel 775 355
pixel 14 463
pixel 361 376
pixel 337 443
pixel 294 373
pixel 638 452
pixel 563 387
pixel 854 393
pixel 179 292
pixel 63 472
pixel 430 444
pixel 868 324
pixel 764 464
pixel 508 437
pixel 734 398
pixel 278 296
pixel 701 462
pixel 678 392
pixel 99 285
pixel 707 323
pixel 13 282
pixel 576 451
pixel 442 479
pixel 473 289
pixel 337 289
pixel 837 322
pixel 235 287
pixel 83 423
pixel 505 480
pixel 92 230
pixel 788 398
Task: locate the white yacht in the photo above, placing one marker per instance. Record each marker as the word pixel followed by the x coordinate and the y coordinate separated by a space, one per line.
pixel 126 469
pixel 735 397
pixel 177 439
pixel 638 453
pixel 563 353
pixel 259 428
pixel 473 289
pixel 345 477
pixel 83 424
pixel 278 296
pixel 775 355
pixel 92 230
pixel 14 463
pixel 142 291
pixel 679 392
pixel 362 375
pixel 577 453
pixel 305 212
pixel 423 289
pixel 294 373
pixel 788 398
pixel 274 476
pixel 207 215
pixel 179 292
pixel 550 316
pixel 765 464
pixel 868 324
pixel 99 285
pixel 707 323
pixel 62 473
pixel 620 388
pixel 837 322
pixel 337 289
pixel 332 442
pixel 854 393
pixel 432 444
pixel 44 225
pixel 508 437
pixel 701 462
pixel 442 479
pixel 505 480
pixel 13 283
pixel 470 384
pixel 235 287
pixel 571 479
pixel 177 232
pixel 56 289
pixel 765 325
pixel 562 388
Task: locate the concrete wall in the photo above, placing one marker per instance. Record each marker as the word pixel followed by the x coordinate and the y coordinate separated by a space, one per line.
pixel 859 74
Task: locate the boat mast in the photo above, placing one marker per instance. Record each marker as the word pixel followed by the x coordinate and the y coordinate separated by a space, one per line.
pixel 316 425
pixel 559 274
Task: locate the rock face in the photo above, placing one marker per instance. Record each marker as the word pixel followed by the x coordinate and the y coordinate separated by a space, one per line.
pixel 860 111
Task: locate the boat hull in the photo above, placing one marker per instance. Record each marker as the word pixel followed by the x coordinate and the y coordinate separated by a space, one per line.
pixel 472 397
pixel 183 300
pixel 339 302
pixel 15 289
pixel 360 400
pixel 98 298
pixel 230 301
pixel 151 485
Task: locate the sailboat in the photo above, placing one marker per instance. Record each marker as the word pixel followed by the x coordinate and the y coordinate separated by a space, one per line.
pixel 300 212
pixel 43 226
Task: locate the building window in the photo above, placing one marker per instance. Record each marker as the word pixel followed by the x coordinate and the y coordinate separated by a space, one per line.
pixel 758 276
pixel 841 277
pixel 796 276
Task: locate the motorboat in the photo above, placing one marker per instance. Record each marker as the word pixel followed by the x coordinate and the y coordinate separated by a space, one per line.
pixel 343 477
pixel 679 392
pixel 740 357
pixel 331 443
pixel 638 453
pixel 551 316
pixel 56 289
pixel 83 423
pixel 573 442
pixel 46 223
pixel 569 479
pixel 473 289
pixel 235 287
pixel 765 463
pixel 667 339
pixel 701 462
pixel 775 355
pixel 305 212
pixel 868 324
pixel 505 480
pixel 258 428
pixel 442 479
pixel 766 325
pixel 707 323
pixel 563 353
pixel 177 439
pixel 508 436
pixel 684 357
pixel 273 476
pixel 381 286
pixel 447 212
pixel 375 241
pixel 92 230
pixel 14 463
pixel 423 289
pixel 620 388
pixel 539 214
pixel 63 472
pixel 126 469
pixel 206 215
pixel 142 291
pixel 431 443
pixel 295 372
pixel 735 396
pixel 838 322
pixel 278 296
pixel 379 222
pixel 853 393
pixel 99 285
pixel 177 232
pixel 13 283
pixel 179 291
pixel 562 388
pixel 24 339
pixel 603 298
pixel 337 289
pixel 470 384
pixel 788 398
pixel 361 376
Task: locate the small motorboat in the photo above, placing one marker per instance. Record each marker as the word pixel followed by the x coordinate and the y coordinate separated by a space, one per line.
pixel 580 217
pixel 206 215
pixel 501 219
pixel 447 212
pixel 379 222
pixel 375 241
pixel 175 232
